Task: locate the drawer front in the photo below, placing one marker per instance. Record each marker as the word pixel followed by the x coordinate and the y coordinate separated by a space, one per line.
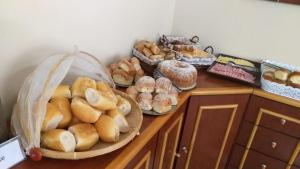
pixel 254 160
pixel 268 142
pixel 274 115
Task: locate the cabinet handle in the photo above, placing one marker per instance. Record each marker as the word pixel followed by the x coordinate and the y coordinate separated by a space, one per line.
pixel 274 144
pixel 177 155
pixel 185 150
pixel 283 121
pixel 263 166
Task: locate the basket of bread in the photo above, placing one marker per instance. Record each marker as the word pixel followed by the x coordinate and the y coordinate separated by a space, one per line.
pixel 281 79
pixel 67 108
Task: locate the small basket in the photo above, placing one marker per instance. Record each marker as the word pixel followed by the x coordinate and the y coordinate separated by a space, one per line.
pixel 276 88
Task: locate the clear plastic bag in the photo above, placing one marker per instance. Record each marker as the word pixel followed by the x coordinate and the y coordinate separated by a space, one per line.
pixel 38 87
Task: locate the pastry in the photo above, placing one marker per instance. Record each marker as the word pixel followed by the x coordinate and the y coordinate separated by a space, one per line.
pixel 269 75
pixel 161 103
pixel 62 91
pixel 121 77
pixel 294 79
pixel 132 92
pixel 83 111
pixel 145 84
pixel 145 101
pixel 281 75
pixel 183 75
pixel 64 106
pixel 85 134
pixel 107 129
pixel 119 119
pixel 81 84
pixel 123 105
pixel 58 139
pixel 163 85
pixel 52 117
pixel 99 100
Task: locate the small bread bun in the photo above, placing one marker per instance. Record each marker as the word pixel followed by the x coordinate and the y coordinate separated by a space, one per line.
pixel 62 91
pixel 83 111
pixel 140 73
pixel 147 52
pixel 155 49
pixel 119 119
pixel 74 121
pixel 173 95
pixel 269 75
pixel 145 84
pixel 281 74
pixel 294 79
pixel 64 106
pixel 125 65
pixel 157 57
pixel 123 105
pixel 106 90
pixel 136 63
pixel 81 84
pixel 163 85
pixel 99 100
pixel 58 139
pixel 121 77
pixel 162 103
pixel 145 101
pixel 52 117
pixel 85 134
pixel 107 129
pixel 132 92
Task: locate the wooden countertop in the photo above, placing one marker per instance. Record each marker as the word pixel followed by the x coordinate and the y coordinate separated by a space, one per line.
pixel 206 85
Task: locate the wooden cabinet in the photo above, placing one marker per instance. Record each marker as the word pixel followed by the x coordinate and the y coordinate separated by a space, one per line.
pixel 209 131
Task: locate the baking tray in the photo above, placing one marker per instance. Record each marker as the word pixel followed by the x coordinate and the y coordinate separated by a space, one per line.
pixel 154 113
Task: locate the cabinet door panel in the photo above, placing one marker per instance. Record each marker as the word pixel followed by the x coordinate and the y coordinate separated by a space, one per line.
pixel 210 128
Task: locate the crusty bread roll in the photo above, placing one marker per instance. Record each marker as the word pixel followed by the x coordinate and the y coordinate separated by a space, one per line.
pixel 99 100
pixel 119 119
pixel 106 90
pixel 123 105
pixel 136 63
pixel 162 103
pixel 125 65
pixel 85 134
pixel 107 129
pixel 121 77
pixel 64 106
pixel 81 84
pixel 132 92
pixel 145 84
pixel 52 117
pixel 58 139
pixel 62 91
pixel 83 111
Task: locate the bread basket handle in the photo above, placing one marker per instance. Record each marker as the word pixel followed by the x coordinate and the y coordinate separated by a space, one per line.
pixel 209 48
pixel 195 39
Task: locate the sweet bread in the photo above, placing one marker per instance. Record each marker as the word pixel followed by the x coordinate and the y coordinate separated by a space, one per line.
pixel 145 101
pixel 145 84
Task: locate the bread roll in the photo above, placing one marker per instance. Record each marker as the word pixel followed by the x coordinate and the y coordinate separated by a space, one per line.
pixel 62 91
pixel 145 84
pixel 64 106
pixel 119 119
pixel 107 129
pixel 126 66
pixel 294 79
pixel 173 95
pixel 98 100
pixel 123 105
pixel 121 77
pixel 162 103
pixel 154 49
pixel 52 117
pixel 140 73
pixel 132 92
pixel 106 90
pixel 136 63
pixel 58 139
pixel 147 52
pixel 74 121
pixel 281 75
pixel 145 101
pixel 81 84
pixel 83 111
pixel 85 134
pixel 163 85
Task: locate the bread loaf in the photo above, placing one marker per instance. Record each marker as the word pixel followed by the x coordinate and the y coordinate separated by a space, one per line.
pixel 98 100
pixel 64 106
pixel 107 129
pixel 52 117
pixel 58 139
pixel 62 91
pixel 119 119
pixel 85 134
pixel 81 84
pixel 83 111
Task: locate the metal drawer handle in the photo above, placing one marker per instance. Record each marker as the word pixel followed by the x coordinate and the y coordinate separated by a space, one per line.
pixel 185 150
pixel 263 166
pixel 283 121
pixel 274 144
pixel 177 155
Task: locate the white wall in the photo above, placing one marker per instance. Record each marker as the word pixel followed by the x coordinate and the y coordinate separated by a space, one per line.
pixel 33 29
pixel 254 29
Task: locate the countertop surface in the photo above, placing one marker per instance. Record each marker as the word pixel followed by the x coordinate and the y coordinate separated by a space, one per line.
pixel 206 85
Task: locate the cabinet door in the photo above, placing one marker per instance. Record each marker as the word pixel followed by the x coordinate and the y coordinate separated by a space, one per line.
pixel 168 140
pixel 210 128
pixel 145 158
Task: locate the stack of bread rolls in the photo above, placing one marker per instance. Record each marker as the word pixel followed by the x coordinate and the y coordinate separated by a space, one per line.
pixel 77 117
pixel 154 52
pixel 158 95
pixel 283 76
pixel 126 70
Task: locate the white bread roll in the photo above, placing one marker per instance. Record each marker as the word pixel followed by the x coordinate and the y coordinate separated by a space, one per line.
pixel 81 84
pixel 99 100
pixel 106 90
pixel 119 119
pixel 62 91
pixel 107 129
pixel 64 106
pixel 85 134
pixel 52 117
pixel 58 139
pixel 83 111
pixel 74 120
pixel 123 105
